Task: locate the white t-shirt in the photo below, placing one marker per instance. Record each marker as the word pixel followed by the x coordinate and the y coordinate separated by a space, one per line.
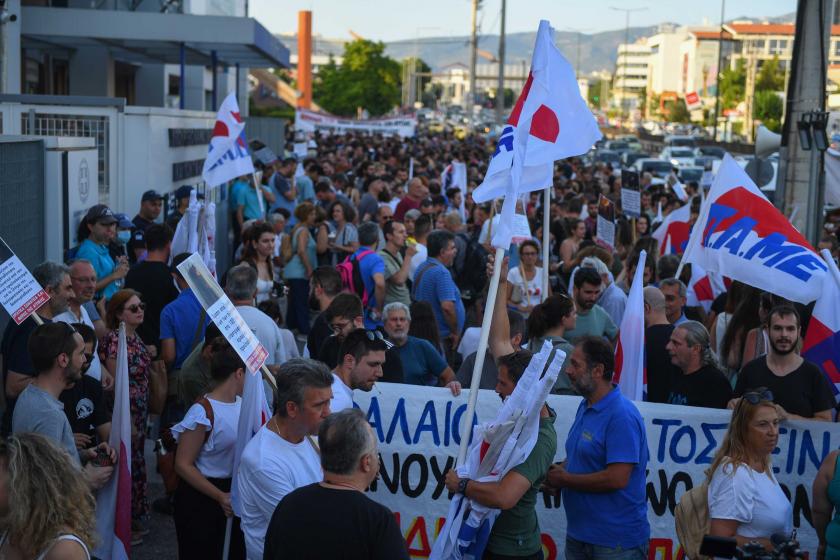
pixel 270 468
pixel 469 342
pixel 95 369
pixel 267 332
pixel 290 347
pixel 419 258
pixel 526 293
pixel 342 395
pixel 216 457
pixel 752 498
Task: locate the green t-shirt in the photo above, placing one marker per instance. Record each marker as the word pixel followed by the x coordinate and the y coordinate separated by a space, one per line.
pixel 394 292
pixel 517 531
pixel 596 322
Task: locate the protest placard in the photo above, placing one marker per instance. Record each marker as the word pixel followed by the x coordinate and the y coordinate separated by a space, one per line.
pixel 20 293
pixel 605 224
pixel 222 312
pixel 631 199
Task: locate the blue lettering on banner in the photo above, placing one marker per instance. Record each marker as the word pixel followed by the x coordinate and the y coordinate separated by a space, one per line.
pixel 506 140
pixel 428 422
pixel 238 152
pixel 706 441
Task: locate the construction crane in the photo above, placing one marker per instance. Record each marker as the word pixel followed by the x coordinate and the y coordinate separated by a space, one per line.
pixel 486 54
pixel 355 35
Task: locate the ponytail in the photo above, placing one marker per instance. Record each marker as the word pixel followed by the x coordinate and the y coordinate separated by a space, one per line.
pixel 548 314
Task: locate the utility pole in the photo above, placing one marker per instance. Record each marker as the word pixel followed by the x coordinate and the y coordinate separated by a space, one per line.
pixel 627 12
pixel 473 48
pixel 749 90
pixel 500 88
pixel 719 70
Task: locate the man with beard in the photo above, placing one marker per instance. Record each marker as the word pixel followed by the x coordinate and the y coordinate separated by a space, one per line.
pixel 592 319
pixel 421 363
pixel 362 354
pixel 397 266
pixel 699 381
pixel 603 476
pixel 797 384
pixel 516 532
pixel 58 354
pixel 324 286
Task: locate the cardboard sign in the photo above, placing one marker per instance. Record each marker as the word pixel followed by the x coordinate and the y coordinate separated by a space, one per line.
pixel 222 312
pixel 631 197
pixel 20 293
pixel 605 225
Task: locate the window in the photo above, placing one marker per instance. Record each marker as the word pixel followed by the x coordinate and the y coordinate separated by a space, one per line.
pixel 777 46
pixel 836 48
pixel 654 49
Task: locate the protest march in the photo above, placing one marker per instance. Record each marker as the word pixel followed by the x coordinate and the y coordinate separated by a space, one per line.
pixel 427 345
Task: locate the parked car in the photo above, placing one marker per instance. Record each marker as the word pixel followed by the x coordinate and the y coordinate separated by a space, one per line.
pixel 629 158
pixel 680 141
pixel 618 146
pixel 656 167
pixel 678 156
pixel 608 156
pixel 687 174
pixel 705 162
pixel 710 151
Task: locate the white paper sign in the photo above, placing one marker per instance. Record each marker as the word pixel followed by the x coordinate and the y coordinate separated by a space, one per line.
pixel 20 293
pixel 222 312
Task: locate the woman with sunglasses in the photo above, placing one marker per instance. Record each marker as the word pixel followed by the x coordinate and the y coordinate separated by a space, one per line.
pixel 125 307
pixel 745 499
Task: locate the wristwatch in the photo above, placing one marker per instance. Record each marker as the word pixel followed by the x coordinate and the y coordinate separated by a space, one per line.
pixel 462 486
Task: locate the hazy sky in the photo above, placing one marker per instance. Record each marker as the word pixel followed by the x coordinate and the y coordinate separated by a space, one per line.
pixel 389 20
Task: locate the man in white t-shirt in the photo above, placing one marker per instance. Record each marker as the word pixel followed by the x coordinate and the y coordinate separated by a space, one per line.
pixel 282 456
pixel 422 228
pixel 361 356
pixel 241 288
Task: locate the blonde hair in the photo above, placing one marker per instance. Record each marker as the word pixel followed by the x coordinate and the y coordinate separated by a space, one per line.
pixel 733 449
pixel 48 495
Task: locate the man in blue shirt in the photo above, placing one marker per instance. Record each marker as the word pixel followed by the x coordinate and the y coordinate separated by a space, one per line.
pixel 603 476
pixel 283 187
pixel 433 283
pixel 372 269
pixel 422 364
pixel 179 322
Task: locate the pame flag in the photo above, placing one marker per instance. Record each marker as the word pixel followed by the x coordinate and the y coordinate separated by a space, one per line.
pixel 703 288
pixel 550 121
pixel 227 156
pixel 630 375
pixel 740 234
pixel 673 232
pixel 822 341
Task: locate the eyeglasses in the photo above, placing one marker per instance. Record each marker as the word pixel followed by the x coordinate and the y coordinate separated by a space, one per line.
pixel 338 327
pixel 376 335
pixel 759 395
pixel 137 307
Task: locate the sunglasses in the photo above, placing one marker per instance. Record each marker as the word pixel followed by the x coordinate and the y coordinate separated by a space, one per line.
pixel 757 396
pixel 136 308
pixel 376 335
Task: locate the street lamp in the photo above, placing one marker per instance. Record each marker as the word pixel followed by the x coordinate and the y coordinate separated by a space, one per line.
pixel 626 40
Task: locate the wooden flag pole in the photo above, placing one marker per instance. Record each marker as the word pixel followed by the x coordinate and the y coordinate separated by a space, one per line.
pixel 546 241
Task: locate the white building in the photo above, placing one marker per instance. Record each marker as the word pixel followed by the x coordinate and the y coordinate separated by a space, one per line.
pixel 631 74
pixel 664 61
pixel 455 79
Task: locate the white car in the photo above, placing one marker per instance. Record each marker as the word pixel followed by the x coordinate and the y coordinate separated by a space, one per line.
pixel 678 157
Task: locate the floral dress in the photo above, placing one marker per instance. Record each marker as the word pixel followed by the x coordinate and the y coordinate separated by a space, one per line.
pixel 139 363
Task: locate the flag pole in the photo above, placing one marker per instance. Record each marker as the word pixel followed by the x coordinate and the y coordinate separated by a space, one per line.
pixel 545 241
pixel 480 355
pixel 228 530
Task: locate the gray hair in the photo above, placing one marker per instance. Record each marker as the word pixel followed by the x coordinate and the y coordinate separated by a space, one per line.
pixel 654 298
pixel 398 306
pixel 294 377
pixel 241 282
pixel 696 334
pixel 344 438
pixel 50 274
pixel 368 234
pixel 674 282
pixel 276 218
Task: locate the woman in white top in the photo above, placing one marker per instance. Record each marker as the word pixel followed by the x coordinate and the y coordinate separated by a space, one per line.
pixel 46 508
pixel 204 462
pixel 524 288
pixel 258 243
pixel 745 499
pixel 344 239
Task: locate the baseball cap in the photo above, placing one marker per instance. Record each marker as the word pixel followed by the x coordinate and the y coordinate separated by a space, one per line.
pixel 123 222
pixel 100 213
pixel 151 194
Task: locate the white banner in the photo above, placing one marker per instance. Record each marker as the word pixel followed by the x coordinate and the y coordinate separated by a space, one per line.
pixel 20 293
pixel 310 121
pixel 418 431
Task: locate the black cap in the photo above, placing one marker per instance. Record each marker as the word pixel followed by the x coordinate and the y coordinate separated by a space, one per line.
pixel 100 213
pixel 151 195
pixel 183 192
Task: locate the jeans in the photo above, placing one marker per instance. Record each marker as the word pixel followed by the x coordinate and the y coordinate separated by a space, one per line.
pixel 576 550
pixel 297 312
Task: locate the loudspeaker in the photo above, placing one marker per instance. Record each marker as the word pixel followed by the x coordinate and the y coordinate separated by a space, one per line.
pixel 766 142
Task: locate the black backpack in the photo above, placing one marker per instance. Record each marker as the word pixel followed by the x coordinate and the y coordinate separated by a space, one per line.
pixel 473 278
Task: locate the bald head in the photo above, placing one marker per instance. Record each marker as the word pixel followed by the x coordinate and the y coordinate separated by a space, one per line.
pixel 452 221
pixel 417 190
pixel 654 298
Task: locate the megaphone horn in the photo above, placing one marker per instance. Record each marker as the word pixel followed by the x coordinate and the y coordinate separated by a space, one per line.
pixel 766 142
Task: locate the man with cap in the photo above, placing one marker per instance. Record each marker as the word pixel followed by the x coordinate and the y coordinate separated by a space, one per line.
pixel 151 205
pixel 98 230
pixel 182 202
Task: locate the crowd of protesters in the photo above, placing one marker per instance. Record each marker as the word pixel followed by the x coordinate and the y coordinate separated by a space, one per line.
pixel 363 262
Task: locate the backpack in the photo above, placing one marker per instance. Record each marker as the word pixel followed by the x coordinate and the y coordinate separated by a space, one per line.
pixel 473 278
pixel 168 446
pixel 692 519
pixel 351 276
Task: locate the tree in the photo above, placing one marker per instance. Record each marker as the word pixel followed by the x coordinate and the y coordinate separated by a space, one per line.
pixel 367 79
pixel 594 94
pixel 767 108
pixel 733 82
pixel 677 111
pixel 770 76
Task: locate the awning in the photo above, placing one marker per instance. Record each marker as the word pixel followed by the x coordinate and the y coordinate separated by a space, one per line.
pixel 150 37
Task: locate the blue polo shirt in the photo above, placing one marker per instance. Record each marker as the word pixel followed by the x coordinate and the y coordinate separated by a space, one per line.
pixel 368 266
pixel 610 431
pixel 179 320
pixel 436 285
pixel 421 363
pixel 102 263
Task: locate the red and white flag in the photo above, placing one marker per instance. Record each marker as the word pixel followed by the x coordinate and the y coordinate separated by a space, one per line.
pixel 673 232
pixel 550 121
pixel 822 341
pixel 741 235
pixel 703 288
pixel 113 501
pixel 253 414
pixel 630 374
pixel 227 156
